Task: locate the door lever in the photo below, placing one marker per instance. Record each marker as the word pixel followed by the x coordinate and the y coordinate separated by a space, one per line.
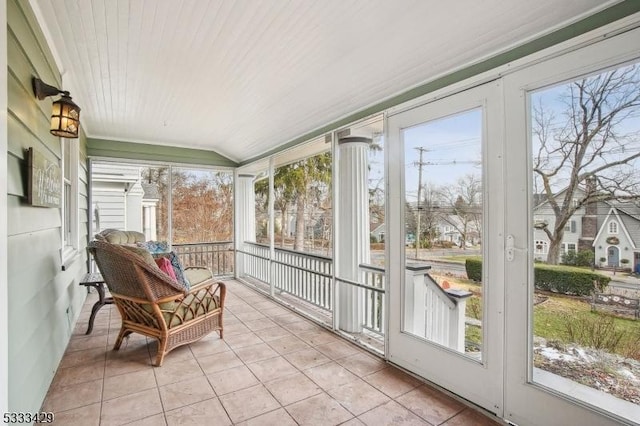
pixel 510 247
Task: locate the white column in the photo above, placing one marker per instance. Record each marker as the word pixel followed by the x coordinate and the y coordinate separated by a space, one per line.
pixel 153 225
pixel 149 219
pixel 352 209
pixel 146 220
pixel 133 207
pixel 245 217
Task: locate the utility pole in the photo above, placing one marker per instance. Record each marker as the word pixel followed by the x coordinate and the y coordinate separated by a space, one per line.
pixel 420 163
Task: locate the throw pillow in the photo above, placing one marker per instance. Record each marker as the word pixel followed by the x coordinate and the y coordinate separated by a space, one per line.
pixel 165 266
pixel 154 246
pixel 162 248
pixel 178 269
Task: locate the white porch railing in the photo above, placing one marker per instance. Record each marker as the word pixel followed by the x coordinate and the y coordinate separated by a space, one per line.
pixel 308 277
pixel 256 261
pixel 305 276
pixel 433 313
pixel 218 256
pixel 373 283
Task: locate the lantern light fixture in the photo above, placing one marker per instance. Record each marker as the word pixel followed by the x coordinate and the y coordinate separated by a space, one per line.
pixel 65 114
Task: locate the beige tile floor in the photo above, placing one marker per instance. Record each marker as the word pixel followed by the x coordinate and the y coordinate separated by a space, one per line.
pixel 273 368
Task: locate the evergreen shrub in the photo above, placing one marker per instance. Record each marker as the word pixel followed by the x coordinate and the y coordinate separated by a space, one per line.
pixel 554 278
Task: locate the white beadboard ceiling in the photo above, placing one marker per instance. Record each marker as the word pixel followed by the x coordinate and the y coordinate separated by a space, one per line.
pixel 241 77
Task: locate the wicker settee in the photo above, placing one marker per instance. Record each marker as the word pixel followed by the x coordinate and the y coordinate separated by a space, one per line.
pixel 155 305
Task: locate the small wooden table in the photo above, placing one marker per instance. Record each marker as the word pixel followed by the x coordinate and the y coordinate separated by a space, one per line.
pixel 96 281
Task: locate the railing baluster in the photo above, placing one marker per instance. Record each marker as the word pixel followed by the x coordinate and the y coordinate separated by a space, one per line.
pixel 210 255
pixel 308 277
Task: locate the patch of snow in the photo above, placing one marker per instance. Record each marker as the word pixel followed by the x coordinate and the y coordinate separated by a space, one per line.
pixel 556 355
pixel 583 355
pixel 627 374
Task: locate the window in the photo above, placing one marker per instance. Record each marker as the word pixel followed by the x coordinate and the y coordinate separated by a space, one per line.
pixel 570 226
pixel 613 227
pixel 541 247
pixel 70 198
pixel 569 247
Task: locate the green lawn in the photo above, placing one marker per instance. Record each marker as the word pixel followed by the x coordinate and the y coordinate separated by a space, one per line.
pixel 563 319
pixel 567 320
pixel 570 320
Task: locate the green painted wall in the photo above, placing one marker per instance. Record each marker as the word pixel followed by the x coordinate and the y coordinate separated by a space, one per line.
pixel 148 152
pixel 44 300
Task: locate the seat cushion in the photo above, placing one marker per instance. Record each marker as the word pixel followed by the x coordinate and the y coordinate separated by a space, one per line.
pixel 196 275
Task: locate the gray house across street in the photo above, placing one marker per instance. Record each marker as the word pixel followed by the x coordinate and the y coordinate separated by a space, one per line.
pixel 610 228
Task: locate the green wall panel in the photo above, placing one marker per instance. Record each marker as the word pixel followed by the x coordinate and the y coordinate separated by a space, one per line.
pixel 148 152
pixel 44 300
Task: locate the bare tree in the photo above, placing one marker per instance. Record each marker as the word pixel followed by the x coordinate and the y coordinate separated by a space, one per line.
pixel 202 206
pixel 430 215
pixel 463 207
pixel 589 138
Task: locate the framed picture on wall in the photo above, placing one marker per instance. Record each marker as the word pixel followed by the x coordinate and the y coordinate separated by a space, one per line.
pixel 44 188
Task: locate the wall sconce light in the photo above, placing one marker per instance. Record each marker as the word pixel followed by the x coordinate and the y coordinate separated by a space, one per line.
pixel 65 114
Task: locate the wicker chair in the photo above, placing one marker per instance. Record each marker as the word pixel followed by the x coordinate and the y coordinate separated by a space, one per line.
pixel 154 305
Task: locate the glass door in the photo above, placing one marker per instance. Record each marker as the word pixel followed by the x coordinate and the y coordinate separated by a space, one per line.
pixel 445 270
pixel 572 355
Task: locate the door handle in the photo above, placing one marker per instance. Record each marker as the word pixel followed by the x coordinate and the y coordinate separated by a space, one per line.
pixel 510 247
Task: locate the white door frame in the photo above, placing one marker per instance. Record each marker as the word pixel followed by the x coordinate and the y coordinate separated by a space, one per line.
pixel 527 402
pixel 479 382
pixel 4 232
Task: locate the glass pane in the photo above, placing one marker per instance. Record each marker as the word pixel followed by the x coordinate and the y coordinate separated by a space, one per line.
pixel 586 219
pixel 67 214
pixel 202 206
pixel 155 220
pixel 66 155
pixel 119 192
pixel 301 267
pixel 202 218
pixel 443 232
pixel 261 190
pixel 302 205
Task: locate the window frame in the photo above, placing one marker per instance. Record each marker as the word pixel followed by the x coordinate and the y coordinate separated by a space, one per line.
pixel 544 247
pixel 69 238
pixel 570 227
pixel 612 227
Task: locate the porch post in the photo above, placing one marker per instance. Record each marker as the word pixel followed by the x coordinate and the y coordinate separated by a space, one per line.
pixel 245 217
pixel 352 209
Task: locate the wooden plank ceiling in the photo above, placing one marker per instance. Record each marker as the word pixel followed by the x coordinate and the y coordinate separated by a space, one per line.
pixel 241 77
